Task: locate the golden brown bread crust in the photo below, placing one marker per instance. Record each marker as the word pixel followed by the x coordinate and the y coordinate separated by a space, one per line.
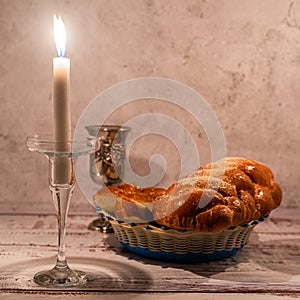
pixel 219 195
pixel 131 203
pixel 135 206
pixel 247 192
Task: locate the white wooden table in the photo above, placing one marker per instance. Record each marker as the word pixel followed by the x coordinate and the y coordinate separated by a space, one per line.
pixel 267 267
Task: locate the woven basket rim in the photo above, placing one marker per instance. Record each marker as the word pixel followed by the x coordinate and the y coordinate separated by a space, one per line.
pixel 172 231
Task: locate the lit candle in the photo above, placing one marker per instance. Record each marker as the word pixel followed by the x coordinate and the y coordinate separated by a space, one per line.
pixel 61 85
pixel 62 167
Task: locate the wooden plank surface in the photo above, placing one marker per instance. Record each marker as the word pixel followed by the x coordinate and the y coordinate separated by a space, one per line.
pixel 149 296
pixel 270 263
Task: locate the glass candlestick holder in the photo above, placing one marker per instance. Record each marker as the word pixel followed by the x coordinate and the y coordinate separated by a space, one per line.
pixel 61 157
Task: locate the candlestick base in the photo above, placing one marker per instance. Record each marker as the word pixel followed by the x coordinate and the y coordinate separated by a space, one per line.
pixel 57 277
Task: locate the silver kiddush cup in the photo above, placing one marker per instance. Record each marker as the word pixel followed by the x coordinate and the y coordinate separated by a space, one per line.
pixel 107 165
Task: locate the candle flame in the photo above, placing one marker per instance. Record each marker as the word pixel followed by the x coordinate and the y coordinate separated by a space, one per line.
pixel 59 31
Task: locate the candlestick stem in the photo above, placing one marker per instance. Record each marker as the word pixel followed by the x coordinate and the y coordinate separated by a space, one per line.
pixel 61 197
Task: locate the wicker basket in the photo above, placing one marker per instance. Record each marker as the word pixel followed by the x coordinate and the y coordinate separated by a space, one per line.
pixel 168 244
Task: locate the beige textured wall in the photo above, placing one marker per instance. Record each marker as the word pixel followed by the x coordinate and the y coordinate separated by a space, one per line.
pixel 243 56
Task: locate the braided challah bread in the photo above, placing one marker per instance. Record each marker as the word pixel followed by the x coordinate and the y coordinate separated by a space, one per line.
pixel 203 201
pixel 229 192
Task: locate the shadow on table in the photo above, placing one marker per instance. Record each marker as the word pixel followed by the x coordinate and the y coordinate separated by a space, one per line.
pixel 270 261
pixel 280 255
pixel 103 274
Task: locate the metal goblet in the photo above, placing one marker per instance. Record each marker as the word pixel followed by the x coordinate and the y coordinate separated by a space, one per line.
pixel 106 165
